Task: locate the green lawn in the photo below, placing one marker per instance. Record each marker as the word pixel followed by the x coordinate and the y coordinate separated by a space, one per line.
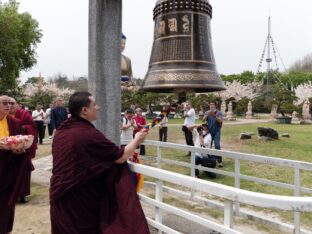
pixel 297 147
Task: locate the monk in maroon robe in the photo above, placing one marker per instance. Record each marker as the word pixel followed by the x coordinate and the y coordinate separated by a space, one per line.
pixel 29 128
pixel 11 163
pixel 91 186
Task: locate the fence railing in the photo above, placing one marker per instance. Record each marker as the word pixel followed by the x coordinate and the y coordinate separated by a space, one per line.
pixel 229 194
pixel 297 167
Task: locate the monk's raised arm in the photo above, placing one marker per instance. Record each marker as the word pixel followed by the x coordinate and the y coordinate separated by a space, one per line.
pixel 130 148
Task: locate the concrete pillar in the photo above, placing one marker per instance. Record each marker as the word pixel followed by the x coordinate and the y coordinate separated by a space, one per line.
pixel 104 63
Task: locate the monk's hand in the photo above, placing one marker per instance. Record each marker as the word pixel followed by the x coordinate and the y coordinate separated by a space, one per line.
pixel 2 146
pixel 140 136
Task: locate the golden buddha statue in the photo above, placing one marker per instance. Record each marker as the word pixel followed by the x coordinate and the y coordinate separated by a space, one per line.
pixel 126 68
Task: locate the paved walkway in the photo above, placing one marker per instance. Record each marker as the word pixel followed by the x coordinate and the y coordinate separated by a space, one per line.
pixel 43 170
pixel 237 121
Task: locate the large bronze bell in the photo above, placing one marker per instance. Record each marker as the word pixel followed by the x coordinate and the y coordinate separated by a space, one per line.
pixel 182 58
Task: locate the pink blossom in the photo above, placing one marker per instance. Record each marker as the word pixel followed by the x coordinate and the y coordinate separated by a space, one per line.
pixel 303 92
pixel 237 90
pixel 50 89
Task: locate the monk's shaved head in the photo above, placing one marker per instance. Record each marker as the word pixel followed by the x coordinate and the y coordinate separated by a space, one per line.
pixel 77 101
pixel 4 106
pixel 12 99
pixel 13 106
pixel 4 97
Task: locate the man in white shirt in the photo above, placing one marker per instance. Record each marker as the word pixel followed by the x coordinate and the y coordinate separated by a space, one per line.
pixel 38 117
pixel 127 127
pixel 189 115
pixel 202 139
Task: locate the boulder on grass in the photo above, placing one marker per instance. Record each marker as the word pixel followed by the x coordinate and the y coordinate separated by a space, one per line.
pixel 268 133
pixel 245 136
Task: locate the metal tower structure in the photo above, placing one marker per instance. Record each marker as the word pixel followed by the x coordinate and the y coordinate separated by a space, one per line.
pixel 269 44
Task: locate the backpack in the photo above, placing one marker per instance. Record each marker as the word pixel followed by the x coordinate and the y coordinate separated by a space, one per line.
pixel 210 163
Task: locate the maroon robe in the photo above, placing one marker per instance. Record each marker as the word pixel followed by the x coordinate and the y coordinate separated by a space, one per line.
pixel 10 175
pixel 29 128
pixel 89 192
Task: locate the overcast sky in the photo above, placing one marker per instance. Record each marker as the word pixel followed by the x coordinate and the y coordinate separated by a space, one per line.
pixel 239 30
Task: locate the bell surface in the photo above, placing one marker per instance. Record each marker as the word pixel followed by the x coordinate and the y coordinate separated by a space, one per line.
pixel 182 59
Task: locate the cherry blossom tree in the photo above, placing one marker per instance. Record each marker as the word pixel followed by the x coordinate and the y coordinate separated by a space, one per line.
pixel 52 89
pixel 303 92
pixel 45 93
pixel 237 90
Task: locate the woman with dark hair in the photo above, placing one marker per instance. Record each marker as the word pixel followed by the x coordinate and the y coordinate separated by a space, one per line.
pixel 140 122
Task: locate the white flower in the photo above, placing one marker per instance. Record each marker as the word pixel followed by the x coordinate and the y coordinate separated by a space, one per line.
pixel 51 89
pixel 303 92
pixel 237 90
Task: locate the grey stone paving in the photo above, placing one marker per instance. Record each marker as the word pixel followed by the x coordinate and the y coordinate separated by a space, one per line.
pixel 42 172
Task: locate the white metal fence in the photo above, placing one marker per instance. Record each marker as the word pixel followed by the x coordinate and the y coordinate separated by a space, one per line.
pixel 229 193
